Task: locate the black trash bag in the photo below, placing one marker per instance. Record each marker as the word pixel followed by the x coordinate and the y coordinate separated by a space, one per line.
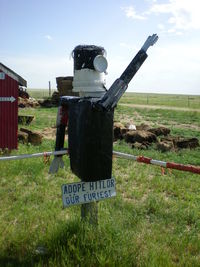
pixel 90 139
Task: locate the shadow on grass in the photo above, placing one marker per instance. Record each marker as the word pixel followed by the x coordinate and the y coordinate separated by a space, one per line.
pixel 77 243
pixel 18 261
pixel 71 243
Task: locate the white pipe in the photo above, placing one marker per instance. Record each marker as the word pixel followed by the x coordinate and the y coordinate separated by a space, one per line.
pixel 124 155
pixel 57 153
pixel 159 163
pixel 190 168
pixel 35 155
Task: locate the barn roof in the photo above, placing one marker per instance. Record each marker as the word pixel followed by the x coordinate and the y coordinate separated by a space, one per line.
pixel 13 75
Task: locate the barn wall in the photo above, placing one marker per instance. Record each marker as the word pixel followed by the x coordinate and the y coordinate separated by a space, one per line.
pixel 8 113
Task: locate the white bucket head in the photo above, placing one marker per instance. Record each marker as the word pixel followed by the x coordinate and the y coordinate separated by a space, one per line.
pixel 90 66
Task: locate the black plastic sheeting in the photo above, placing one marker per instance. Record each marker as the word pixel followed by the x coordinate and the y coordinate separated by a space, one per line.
pixel 134 66
pixel 84 56
pixel 117 89
pixel 90 139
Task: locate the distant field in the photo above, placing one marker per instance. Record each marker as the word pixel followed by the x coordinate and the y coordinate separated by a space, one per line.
pixel 40 93
pixel 189 101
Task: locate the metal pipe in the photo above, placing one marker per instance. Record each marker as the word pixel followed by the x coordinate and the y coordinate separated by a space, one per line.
pixel 141 159
pixel 35 155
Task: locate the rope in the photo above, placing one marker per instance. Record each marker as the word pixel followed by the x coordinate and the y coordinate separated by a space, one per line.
pixel 46 158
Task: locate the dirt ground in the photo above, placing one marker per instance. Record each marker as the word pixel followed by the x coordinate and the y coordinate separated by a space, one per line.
pixel 49 133
pixel 138 117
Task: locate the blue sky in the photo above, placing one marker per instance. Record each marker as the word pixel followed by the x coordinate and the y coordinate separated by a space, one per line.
pixel 38 36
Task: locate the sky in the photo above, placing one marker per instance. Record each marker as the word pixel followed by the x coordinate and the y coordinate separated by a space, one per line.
pixel 38 36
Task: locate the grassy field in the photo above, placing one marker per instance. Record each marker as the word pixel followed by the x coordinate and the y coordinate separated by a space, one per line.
pixel 153 221
pixel 40 93
pixel 187 101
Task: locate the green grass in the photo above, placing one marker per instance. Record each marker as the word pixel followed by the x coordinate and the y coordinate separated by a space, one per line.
pixel 43 117
pixel 39 93
pixel 184 101
pixel 153 221
pixel 176 120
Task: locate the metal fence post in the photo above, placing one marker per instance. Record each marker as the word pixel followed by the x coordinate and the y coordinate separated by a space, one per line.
pixel 49 88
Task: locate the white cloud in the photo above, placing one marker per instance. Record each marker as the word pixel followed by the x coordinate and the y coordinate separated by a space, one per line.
pixel 169 68
pixel 184 14
pixel 131 13
pixel 128 46
pixel 48 37
pixel 161 26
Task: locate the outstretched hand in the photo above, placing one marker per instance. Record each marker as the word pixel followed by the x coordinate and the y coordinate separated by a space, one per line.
pixel 151 40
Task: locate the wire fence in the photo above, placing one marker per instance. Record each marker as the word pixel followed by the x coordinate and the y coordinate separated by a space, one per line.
pixel 190 101
pixel 40 93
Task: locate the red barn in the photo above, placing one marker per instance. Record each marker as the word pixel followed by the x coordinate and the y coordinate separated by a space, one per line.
pixel 9 90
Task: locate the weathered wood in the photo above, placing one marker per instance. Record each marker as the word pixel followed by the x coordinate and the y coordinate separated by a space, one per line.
pixel 89 213
pixel 49 88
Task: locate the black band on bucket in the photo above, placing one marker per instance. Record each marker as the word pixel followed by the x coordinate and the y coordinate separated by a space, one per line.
pixel 84 56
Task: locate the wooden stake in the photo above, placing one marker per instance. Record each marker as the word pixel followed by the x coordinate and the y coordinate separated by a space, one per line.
pixel 49 88
pixel 89 212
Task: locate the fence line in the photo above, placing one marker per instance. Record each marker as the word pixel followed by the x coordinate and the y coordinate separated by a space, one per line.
pixel 190 101
pixel 140 159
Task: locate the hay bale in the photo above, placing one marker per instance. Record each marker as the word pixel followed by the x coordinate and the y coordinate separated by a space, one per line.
pixel 160 131
pixel 142 127
pixel 64 86
pixel 144 145
pixel 119 130
pixel 188 143
pixel 140 137
pixel 33 137
pixel 181 142
pixel 27 102
pixel 22 137
pixel 165 146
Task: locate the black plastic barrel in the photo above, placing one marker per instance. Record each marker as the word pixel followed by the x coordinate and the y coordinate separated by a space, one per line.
pixel 90 139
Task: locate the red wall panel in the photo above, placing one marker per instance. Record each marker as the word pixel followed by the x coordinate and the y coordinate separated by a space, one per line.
pixel 8 113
